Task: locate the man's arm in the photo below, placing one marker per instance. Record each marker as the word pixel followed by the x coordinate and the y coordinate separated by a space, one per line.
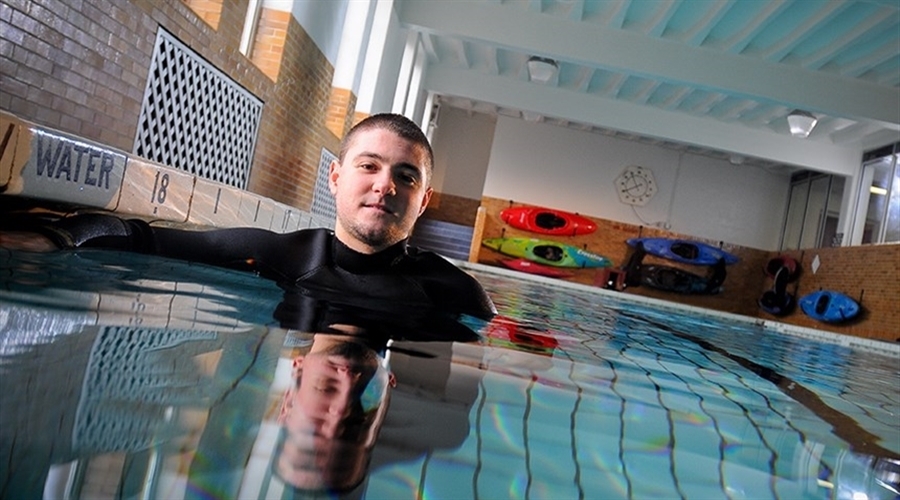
pixel 244 248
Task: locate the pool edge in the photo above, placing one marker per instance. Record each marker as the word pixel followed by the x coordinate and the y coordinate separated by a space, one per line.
pixel 869 345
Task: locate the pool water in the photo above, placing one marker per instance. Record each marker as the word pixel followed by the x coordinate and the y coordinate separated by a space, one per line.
pixel 131 376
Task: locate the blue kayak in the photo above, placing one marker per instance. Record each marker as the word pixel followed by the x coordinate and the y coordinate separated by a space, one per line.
pixel 686 251
pixel 829 306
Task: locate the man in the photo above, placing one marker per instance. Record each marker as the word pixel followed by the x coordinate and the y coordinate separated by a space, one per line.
pixel 381 186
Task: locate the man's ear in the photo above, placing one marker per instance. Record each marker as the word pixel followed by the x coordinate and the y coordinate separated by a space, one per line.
pixel 333 174
pixel 286 405
pixel 425 200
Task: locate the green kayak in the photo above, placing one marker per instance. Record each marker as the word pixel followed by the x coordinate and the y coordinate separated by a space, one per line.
pixel 547 252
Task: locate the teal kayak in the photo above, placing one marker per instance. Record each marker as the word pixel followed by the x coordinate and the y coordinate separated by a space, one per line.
pixel 547 252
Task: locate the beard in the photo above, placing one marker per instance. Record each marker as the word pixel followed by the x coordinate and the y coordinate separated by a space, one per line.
pixel 374 235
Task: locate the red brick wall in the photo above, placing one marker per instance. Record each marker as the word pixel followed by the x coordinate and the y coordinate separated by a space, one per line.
pixel 851 270
pixel 83 70
pixel 208 10
pixel 869 274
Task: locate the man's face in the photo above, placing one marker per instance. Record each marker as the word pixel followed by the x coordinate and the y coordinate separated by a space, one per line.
pixel 380 189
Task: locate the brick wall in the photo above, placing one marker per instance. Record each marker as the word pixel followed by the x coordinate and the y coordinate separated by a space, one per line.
pixel 869 274
pixel 870 270
pixel 81 67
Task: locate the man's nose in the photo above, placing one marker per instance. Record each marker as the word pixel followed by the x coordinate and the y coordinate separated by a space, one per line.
pixel 384 183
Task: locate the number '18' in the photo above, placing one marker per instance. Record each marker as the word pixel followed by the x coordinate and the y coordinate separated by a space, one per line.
pixel 159 188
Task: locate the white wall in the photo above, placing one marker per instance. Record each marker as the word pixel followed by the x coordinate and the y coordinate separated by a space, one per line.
pixel 389 67
pixel 551 166
pixel 323 20
pixel 462 151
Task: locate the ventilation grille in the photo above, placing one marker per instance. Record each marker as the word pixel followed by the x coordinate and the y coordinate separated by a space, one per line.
pixel 195 118
pixel 323 201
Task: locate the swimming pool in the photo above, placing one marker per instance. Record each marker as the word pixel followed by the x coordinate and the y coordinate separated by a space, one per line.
pixel 131 376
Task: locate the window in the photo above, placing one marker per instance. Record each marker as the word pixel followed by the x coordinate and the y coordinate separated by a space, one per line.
pixel 813 211
pixel 878 206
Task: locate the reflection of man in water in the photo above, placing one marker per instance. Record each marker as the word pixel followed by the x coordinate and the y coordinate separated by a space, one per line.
pixel 331 415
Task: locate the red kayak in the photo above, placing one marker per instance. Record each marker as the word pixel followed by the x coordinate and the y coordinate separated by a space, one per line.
pixel 547 221
pixel 528 266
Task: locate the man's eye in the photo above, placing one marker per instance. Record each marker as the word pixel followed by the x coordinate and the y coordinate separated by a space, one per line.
pixel 367 166
pixel 408 179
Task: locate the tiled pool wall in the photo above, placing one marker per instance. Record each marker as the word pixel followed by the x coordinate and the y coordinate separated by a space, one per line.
pixel 51 166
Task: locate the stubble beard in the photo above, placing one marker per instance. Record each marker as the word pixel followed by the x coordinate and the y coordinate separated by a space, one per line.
pixel 373 235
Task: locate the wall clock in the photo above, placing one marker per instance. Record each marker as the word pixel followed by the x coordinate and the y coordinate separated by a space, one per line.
pixel 636 185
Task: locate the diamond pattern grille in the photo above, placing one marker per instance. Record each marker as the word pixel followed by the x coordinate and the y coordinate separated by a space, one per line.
pixel 195 118
pixel 323 201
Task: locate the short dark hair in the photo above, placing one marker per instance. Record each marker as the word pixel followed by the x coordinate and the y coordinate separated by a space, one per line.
pixel 398 124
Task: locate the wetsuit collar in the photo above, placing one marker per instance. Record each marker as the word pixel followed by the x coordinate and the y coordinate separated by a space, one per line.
pixel 361 263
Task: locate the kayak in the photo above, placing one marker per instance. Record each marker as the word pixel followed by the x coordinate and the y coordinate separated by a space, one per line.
pixel 547 221
pixel 829 306
pixel 782 261
pixel 686 251
pixel 508 330
pixel 530 267
pixel 547 252
pixel 673 279
pixel 777 301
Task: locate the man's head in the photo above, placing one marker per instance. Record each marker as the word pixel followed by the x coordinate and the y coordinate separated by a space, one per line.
pixel 380 182
pixel 331 414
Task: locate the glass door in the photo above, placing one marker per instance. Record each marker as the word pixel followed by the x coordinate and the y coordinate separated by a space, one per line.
pixel 878 207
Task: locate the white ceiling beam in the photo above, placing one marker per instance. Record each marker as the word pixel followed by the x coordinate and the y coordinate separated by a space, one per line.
pixel 643 95
pixel 430 51
pixel 696 35
pixel 618 14
pixel 786 44
pixel 676 98
pixel 864 64
pixel 820 156
pixel 875 22
pixel 658 24
pixel 739 41
pixel 459 48
pixel 636 54
pixel 576 13
pixel 491 57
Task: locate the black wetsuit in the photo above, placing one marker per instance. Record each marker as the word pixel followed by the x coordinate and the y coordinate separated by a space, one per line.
pixel 308 258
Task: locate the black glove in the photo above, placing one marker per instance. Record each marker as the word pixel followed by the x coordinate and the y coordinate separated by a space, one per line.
pixel 101 231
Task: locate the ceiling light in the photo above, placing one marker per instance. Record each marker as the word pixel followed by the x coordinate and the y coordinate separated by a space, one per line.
pixel 541 69
pixel 801 122
pixel 530 117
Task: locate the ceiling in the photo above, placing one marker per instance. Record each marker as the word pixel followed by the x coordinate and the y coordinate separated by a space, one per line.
pixel 711 77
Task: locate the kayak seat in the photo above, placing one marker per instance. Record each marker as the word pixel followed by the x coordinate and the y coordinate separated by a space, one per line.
pixel 548 252
pixel 548 220
pixel 685 250
pixel 822 304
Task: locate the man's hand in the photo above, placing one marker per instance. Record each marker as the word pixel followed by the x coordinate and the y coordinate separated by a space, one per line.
pixel 30 242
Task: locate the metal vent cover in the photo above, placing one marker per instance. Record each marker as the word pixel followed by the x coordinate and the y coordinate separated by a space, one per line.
pixel 195 118
pixel 323 201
